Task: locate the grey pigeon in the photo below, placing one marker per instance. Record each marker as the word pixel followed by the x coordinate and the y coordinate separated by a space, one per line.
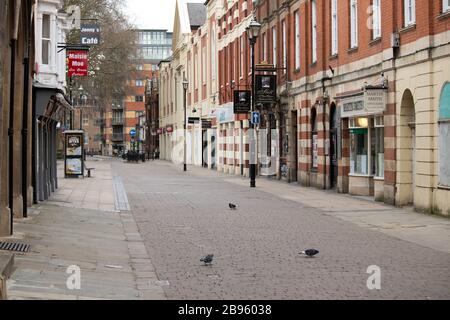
pixel 232 206
pixel 207 259
pixel 310 252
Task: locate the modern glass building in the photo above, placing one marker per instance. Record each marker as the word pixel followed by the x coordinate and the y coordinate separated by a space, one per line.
pixel 154 45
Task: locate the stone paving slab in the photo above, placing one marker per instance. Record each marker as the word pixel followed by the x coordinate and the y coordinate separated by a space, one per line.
pixel 81 226
pixel 403 223
pixel 183 216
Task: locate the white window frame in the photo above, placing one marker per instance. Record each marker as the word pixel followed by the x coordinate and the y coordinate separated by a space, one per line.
pixel 376 19
pixel 353 24
pixel 334 27
pixel 47 42
pixel 314 30
pixel 204 65
pixel 274 46
pixel 213 54
pixel 264 46
pixel 241 57
pixel 410 12
pixel 445 6
pixel 297 40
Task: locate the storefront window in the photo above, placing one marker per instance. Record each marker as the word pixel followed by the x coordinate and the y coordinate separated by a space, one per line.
pixel 362 131
pixel 359 138
pixel 378 147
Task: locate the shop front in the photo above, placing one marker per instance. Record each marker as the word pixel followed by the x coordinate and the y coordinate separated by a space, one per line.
pixel 363 112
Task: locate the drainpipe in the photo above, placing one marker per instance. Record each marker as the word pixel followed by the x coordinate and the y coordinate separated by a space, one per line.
pixel 25 114
pixel 11 133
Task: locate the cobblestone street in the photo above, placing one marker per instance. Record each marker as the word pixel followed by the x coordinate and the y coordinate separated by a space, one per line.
pixel 183 216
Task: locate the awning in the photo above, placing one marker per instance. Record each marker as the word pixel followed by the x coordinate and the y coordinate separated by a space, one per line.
pixel 49 102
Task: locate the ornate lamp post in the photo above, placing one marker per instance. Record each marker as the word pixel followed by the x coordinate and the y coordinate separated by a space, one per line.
pixel 253 32
pixel 185 87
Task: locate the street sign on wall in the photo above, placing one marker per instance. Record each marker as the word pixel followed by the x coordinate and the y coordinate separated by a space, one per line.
pixel 132 132
pixel 256 117
pixel 77 63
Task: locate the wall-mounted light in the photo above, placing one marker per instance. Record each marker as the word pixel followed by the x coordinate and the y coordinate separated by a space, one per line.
pixel 363 122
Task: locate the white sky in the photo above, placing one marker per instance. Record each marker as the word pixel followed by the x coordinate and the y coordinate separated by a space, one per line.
pixel 152 14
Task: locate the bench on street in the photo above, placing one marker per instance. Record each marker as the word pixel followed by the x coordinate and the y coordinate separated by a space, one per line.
pixel 89 171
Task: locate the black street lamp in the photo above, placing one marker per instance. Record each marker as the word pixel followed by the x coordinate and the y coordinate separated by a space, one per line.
pixel 185 87
pixel 83 99
pixel 253 32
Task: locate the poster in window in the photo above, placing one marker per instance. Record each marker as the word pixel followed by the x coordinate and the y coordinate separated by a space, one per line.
pixel 315 151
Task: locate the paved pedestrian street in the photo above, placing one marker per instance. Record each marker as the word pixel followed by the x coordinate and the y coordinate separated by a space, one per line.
pixel 184 216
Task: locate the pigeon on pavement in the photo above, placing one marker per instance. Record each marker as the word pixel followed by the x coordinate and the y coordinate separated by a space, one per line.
pixel 310 252
pixel 207 259
pixel 232 206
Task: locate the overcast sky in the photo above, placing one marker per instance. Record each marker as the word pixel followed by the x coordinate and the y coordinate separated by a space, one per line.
pixel 152 14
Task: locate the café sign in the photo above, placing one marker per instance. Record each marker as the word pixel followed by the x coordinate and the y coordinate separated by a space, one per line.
pixel 370 102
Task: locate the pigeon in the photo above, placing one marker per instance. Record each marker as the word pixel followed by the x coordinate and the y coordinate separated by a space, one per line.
pixel 232 206
pixel 310 252
pixel 207 259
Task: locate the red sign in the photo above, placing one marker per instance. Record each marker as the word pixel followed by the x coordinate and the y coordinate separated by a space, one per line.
pixel 169 129
pixel 77 61
pixel 159 131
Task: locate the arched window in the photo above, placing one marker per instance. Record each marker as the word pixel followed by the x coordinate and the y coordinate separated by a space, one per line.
pixel 314 146
pixel 444 136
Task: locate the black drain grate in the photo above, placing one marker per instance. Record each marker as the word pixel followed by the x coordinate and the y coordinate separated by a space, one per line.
pixel 14 246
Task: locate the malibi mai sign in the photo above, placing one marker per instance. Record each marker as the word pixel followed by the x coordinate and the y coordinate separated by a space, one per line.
pixel 77 62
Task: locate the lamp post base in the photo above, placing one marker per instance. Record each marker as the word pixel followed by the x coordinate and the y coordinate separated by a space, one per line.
pixel 184 167
pixel 252 176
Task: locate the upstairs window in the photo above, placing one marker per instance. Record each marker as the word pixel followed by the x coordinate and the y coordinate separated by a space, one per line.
pixel 274 46
pixel 445 5
pixel 410 12
pixel 314 30
pixel 353 23
pixel 283 30
pixel 46 39
pixel 334 27
pixel 297 40
pixel 376 19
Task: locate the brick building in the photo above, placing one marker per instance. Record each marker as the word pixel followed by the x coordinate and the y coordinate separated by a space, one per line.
pixel 362 93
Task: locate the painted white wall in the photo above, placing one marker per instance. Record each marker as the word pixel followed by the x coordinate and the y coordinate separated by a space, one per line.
pixel 54 73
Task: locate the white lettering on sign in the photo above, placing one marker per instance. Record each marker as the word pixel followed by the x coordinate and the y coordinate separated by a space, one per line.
pixel 78 56
pixel 92 40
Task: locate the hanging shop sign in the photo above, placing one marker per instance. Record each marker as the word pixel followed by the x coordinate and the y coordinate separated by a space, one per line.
pixel 242 101
pixel 159 131
pixel 193 120
pixel 77 61
pixel 90 34
pixel 369 102
pixel 266 88
pixel 206 123
pixel 73 153
pixel 169 129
